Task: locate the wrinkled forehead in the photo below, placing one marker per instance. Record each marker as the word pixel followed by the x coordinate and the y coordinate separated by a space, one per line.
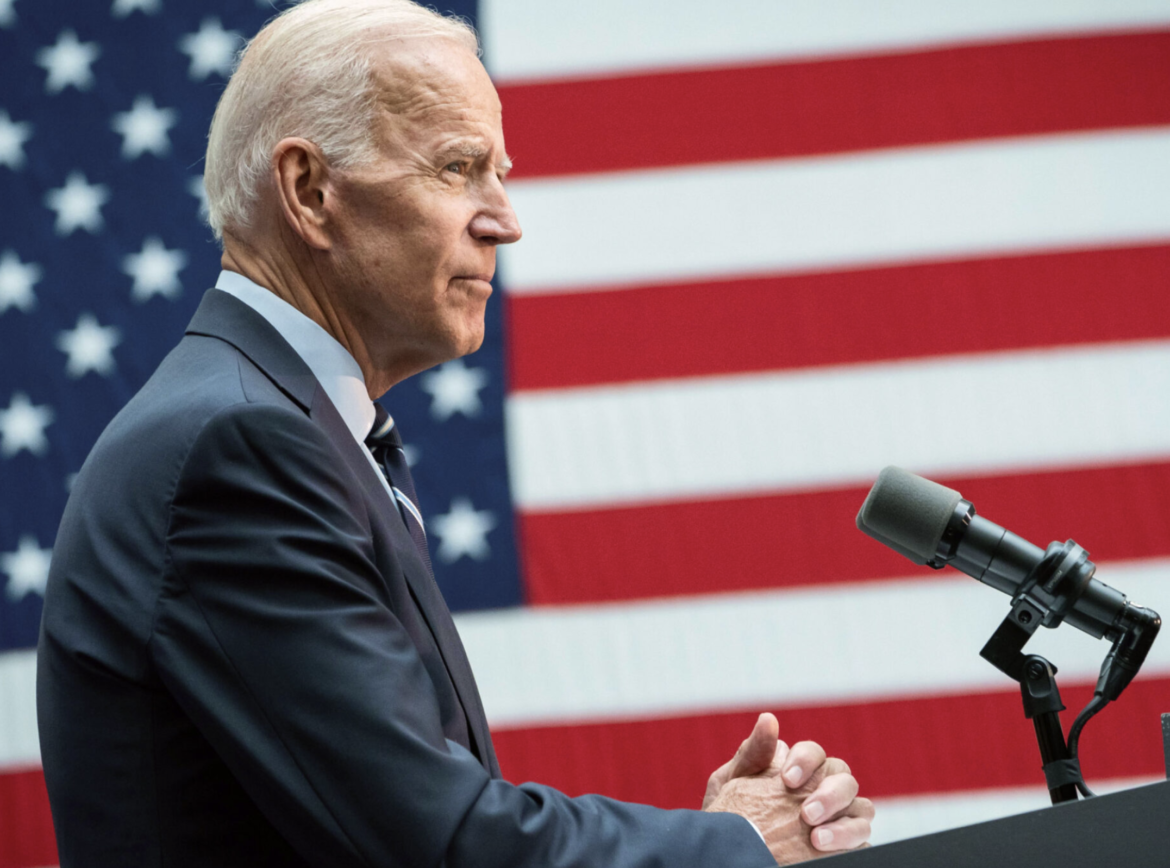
pixel 415 77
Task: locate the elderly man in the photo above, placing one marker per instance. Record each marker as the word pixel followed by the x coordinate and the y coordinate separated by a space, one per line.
pixel 244 658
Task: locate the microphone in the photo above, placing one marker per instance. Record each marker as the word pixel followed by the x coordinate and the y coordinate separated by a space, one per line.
pixel 933 525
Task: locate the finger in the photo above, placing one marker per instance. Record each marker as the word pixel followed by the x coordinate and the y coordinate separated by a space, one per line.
pixel 722 774
pixel 804 758
pixel 779 757
pixel 756 753
pixel 831 766
pixel 749 759
pixel 860 808
pixel 843 834
pixel 830 800
pixel 715 783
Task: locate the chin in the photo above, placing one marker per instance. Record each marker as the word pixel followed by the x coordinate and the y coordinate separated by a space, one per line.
pixel 470 338
pixel 473 343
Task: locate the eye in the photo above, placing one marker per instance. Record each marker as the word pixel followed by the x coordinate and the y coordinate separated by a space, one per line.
pixel 459 167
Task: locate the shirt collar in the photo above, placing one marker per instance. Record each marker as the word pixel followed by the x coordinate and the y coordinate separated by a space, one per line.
pixel 332 365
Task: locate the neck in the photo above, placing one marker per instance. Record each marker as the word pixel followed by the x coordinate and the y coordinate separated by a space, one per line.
pixel 299 284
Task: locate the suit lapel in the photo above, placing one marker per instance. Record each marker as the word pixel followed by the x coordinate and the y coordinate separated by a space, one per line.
pixel 227 318
pixel 423 589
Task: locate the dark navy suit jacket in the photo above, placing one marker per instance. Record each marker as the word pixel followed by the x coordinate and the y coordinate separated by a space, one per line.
pixel 243 661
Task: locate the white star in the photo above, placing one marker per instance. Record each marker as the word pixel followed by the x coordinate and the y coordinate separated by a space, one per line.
pixel 7 16
pixel 12 138
pixel 462 531
pixel 22 426
pixel 212 49
pixel 144 128
pixel 122 8
pixel 16 282
pixel 78 204
pixel 90 347
pixel 27 568
pixel 195 188
pixel 155 270
pixel 454 389
pixel 68 63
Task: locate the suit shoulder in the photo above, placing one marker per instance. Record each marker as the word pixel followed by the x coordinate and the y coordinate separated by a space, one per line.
pixel 261 448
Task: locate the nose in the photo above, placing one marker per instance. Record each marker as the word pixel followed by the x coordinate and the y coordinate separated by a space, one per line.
pixel 496 221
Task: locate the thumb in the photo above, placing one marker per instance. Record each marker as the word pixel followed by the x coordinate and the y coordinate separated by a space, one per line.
pixel 755 755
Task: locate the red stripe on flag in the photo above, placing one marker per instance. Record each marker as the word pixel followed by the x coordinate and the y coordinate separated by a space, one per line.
pixel 26 826
pixel 769 323
pixel 809 538
pixel 831 106
pixel 895 747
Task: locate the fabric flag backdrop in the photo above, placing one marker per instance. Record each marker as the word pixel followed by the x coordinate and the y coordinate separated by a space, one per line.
pixel 770 247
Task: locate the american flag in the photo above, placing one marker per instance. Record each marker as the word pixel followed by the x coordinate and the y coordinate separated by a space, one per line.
pixel 770 247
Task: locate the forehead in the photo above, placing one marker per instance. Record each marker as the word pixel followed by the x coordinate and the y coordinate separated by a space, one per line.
pixel 435 82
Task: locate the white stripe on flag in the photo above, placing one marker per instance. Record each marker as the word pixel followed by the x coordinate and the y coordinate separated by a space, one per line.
pixel 754 433
pixel 19 742
pixel 769 649
pixel 525 39
pixel 775 216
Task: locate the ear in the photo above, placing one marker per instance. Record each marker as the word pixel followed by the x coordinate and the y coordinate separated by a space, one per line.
pixel 301 178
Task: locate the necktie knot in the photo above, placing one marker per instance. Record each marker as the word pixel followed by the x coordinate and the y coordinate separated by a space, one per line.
pixel 384 432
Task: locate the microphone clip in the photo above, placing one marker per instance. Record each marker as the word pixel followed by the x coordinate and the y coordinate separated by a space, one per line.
pixel 1045 596
pixel 1051 590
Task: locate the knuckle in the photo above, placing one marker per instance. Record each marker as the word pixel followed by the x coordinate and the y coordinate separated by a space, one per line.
pixel 808 747
pixel 833 767
pixel 839 792
pixel 849 785
pixel 862 831
pixel 852 832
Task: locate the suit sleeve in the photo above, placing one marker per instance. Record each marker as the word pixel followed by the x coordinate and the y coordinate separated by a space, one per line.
pixel 274 634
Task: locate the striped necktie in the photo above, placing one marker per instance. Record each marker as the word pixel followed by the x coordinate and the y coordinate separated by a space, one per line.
pixel 385 444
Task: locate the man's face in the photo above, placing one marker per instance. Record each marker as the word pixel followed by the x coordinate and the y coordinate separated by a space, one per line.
pixel 415 232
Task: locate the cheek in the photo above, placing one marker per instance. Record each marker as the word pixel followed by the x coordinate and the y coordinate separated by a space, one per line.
pixel 414 241
pixel 428 251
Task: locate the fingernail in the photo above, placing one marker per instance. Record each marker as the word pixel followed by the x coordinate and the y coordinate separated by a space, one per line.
pixel 824 837
pixel 814 811
pixel 793 775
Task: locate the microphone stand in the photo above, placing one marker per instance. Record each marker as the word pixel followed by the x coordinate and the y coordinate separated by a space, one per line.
pixel 1046 596
pixel 1042 704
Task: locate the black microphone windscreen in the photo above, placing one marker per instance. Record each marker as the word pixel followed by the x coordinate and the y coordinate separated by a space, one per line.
pixel 907 513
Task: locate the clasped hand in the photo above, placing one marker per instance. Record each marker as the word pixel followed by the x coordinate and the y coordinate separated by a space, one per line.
pixel 804 803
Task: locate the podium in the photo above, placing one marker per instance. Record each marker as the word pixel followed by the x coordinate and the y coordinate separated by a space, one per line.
pixel 1129 829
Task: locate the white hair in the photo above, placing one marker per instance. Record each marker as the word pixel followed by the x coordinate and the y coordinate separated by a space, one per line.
pixel 307 73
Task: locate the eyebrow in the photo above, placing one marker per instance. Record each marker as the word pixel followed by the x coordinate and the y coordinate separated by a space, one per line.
pixel 472 151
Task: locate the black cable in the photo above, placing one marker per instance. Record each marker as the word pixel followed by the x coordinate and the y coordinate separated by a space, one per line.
pixel 1074 736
